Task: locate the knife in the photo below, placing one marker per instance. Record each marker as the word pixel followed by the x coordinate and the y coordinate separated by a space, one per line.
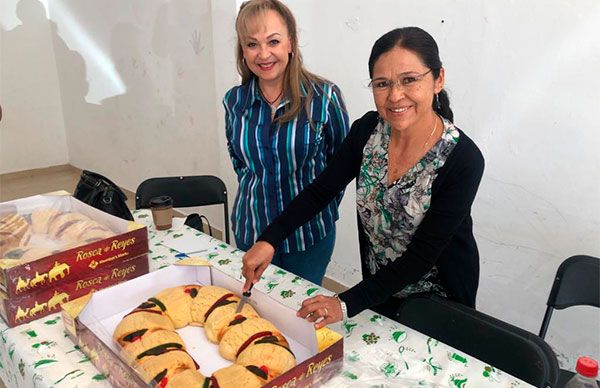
pixel 245 296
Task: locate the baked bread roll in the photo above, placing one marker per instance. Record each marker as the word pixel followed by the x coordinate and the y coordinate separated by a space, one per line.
pixel 137 323
pixel 85 232
pixel 207 300
pixel 178 303
pixel 235 376
pixel 240 336
pixel 271 351
pixel 139 346
pixel 188 379
pixel 42 218
pixel 14 232
pixel 62 222
pixel 162 367
pixel 223 318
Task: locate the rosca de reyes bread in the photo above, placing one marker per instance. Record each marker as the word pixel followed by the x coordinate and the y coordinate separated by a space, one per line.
pixel 70 228
pixel 239 376
pixel 149 341
pixel 222 319
pixel 272 350
pixel 243 334
pixel 15 231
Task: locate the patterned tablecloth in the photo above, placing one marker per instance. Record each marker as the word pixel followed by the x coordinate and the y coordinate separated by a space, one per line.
pixel 378 351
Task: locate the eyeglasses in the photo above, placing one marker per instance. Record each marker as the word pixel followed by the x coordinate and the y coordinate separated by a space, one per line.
pixel 405 82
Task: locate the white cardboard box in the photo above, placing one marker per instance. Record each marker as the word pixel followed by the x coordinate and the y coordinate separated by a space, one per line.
pixel 93 326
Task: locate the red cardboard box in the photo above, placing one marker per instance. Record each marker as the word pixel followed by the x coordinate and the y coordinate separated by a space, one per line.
pixel 19 277
pixel 90 322
pixel 34 305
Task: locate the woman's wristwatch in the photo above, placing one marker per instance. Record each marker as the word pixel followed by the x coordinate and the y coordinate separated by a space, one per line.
pixel 343 307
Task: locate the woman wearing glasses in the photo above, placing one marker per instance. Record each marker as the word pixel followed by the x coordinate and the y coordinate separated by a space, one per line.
pixel 417 176
pixel 283 126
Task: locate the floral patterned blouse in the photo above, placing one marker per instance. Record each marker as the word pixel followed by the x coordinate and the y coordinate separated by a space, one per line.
pixel 390 215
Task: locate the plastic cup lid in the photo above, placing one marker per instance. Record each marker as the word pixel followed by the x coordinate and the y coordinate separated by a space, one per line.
pixel 162 201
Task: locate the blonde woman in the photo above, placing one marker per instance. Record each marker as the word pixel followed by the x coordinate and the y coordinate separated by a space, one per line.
pixel 283 125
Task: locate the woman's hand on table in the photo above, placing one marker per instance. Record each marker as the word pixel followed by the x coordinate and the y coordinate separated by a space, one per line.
pixel 325 308
pixel 255 261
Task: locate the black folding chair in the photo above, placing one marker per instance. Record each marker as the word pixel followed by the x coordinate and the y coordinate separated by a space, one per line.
pixel 186 191
pixel 577 283
pixel 500 344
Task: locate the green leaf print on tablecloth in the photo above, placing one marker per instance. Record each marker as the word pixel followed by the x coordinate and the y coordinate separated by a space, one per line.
pixel 433 366
pixel 399 336
pixel 458 380
pixel 349 327
pixel 22 368
pixel 99 377
pixel 287 294
pixel 457 358
pixel 350 375
pixel 43 363
pixel 370 339
pixel 390 370
pixel 311 291
pixel 353 356
pixel 224 261
pixel 271 286
pixel 296 280
pixel 30 333
pixel 491 373
pixel 431 342
pixel 279 272
pixel 43 344
pixel 52 321
pixel 84 359
pixel 76 372
pixel 376 319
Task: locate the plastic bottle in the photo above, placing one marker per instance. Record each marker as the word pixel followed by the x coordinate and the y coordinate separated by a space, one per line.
pixel 587 371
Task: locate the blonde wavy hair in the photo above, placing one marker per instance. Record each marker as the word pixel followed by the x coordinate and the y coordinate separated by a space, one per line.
pixel 296 76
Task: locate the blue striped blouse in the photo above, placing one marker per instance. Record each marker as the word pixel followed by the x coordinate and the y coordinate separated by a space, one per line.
pixel 274 161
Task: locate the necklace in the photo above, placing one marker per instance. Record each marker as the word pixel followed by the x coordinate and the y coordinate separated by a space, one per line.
pixel 271 103
pixel 430 135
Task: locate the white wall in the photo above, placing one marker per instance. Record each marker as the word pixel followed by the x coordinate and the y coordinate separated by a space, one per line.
pixel 164 121
pixel 141 84
pixel 32 132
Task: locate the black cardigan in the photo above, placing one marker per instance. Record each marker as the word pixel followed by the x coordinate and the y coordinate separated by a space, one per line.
pixel 444 238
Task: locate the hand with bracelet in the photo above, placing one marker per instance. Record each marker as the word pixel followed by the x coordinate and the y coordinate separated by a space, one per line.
pixel 326 309
pixel 323 310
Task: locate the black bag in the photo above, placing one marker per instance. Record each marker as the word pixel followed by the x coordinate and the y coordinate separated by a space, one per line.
pixel 194 220
pixel 100 192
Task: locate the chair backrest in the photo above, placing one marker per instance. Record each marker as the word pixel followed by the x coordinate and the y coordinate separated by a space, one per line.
pixel 186 191
pixel 577 283
pixel 500 344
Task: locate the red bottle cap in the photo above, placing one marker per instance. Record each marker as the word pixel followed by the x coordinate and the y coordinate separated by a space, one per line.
pixel 587 367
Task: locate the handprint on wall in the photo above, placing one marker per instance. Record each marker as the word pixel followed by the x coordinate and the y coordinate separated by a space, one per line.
pixel 196 42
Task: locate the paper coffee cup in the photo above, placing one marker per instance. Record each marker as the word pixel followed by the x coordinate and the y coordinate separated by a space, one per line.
pixel 162 212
